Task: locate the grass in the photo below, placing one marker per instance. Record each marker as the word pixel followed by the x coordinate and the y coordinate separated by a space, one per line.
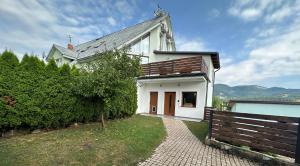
pixel 123 142
pixel 199 129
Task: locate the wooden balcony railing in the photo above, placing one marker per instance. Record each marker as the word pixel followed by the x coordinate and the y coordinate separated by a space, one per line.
pixel 176 66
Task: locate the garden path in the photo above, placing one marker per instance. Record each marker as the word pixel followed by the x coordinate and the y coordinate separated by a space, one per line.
pixel 181 147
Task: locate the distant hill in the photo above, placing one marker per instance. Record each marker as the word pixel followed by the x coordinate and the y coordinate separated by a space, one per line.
pixel 256 92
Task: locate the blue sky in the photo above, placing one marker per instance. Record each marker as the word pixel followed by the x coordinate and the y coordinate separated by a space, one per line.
pixel 258 40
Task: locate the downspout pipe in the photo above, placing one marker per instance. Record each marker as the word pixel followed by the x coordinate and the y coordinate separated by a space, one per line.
pixel 215 79
pixel 213 82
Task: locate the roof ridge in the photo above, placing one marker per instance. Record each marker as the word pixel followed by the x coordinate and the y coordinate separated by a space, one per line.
pixel 160 17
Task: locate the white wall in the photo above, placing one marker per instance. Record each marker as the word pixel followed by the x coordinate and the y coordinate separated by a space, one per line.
pixel 208 62
pixel 57 55
pixel 210 85
pixel 155 40
pixel 144 97
pixel 267 109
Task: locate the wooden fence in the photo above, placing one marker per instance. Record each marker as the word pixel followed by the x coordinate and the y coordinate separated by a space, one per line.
pixel 265 133
pixel 207 111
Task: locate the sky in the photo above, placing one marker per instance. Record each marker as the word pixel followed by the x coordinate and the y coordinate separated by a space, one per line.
pixel 258 40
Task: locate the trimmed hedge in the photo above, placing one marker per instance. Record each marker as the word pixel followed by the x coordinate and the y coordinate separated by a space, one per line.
pixel 37 95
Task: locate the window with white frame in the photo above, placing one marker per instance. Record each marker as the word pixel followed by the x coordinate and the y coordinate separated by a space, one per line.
pixel 141 46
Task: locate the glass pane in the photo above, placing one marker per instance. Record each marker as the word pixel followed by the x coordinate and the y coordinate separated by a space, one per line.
pixel 136 48
pixel 145 45
pixel 189 99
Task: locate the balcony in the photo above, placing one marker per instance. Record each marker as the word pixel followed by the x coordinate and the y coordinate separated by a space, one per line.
pixel 177 66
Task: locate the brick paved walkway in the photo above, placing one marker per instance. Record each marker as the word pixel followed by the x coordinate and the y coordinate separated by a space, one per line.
pixel 181 147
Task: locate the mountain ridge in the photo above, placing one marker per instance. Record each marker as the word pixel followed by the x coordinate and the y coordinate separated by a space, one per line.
pixel 256 92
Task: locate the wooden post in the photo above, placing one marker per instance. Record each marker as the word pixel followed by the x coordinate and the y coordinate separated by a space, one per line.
pixel 149 68
pixel 210 123
pixel 297 155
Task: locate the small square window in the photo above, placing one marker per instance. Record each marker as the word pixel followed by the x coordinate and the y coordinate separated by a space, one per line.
pixel 58 60
pixel 189 99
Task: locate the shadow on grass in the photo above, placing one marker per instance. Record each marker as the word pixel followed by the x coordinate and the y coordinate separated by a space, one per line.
pixel 199 129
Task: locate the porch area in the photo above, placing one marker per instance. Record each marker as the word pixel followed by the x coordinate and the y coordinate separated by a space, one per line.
pixel 183 97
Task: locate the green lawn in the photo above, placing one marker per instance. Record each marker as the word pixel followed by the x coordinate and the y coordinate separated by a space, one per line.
pixel 199 129
pixel 123 142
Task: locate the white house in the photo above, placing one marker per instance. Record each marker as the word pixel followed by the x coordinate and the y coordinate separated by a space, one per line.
pixel 140 39
pixel 173 83
pixel 278 108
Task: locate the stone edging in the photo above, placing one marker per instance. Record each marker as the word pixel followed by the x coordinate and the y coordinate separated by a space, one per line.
pixel 264 159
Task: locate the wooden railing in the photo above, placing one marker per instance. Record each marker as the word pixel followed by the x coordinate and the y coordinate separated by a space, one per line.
pixel 183 65
pixel 266 133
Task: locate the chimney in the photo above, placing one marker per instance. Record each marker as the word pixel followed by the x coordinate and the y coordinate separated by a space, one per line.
pixel 70 46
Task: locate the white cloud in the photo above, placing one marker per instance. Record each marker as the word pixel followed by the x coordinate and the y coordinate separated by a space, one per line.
pixel 279 14
pixel 274 57
pixel 267 32
pixel 248 14
pixel 270 10
pixel 34 25
pixel 214 13
pixel 184 44
pixel 112 21
pixel 226 61
pixel 273 46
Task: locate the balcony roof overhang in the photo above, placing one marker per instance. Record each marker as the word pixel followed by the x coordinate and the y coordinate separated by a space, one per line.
pixel 187 77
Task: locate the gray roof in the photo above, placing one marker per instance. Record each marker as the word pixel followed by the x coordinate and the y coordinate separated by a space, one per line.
pixel 110 41
pixel 65 51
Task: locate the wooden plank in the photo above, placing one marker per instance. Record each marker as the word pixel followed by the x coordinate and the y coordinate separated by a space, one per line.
pixel 275 134
pixel 174 66
pixel 261 147
pixel 297 154
pixel 280 139
pixel 259 140
pixel 258 116
pixel 278 132
pixel 268 124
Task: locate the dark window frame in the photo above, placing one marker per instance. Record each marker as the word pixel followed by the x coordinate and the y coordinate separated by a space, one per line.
pixel 182 100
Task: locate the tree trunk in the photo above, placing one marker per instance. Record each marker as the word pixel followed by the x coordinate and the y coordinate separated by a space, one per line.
pixel 102 119
pixel 101 109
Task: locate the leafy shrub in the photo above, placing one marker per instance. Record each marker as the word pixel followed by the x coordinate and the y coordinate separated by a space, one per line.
pixel 110 80
pixel 46 96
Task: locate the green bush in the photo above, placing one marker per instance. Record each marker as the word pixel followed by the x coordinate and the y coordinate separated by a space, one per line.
pixel 110 81
pixel 47 96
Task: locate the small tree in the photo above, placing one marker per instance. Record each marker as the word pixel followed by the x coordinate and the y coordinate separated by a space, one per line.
pixel 108 80
pixel 217 103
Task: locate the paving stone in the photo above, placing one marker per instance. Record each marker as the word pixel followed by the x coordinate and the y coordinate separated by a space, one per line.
pixel 181 147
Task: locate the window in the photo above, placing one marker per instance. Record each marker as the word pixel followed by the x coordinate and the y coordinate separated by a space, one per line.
pixel 142 46
pixel 189 99
pixel 163 42
pixel 145 45
pixel 58 60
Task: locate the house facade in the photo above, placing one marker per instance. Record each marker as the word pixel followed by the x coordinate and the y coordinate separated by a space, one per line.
pixel 178 83
pixel 174 83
